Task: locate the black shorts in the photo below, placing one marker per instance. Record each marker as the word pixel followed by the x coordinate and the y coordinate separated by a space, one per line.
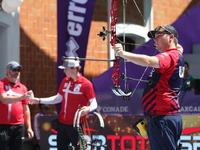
pixel 67 134
pixel 11 136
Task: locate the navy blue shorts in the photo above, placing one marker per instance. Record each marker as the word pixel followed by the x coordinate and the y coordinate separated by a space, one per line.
pixel 164 132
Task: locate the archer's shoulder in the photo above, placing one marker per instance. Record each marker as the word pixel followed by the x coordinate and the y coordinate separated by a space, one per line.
pixel 22 85
pixel 84 79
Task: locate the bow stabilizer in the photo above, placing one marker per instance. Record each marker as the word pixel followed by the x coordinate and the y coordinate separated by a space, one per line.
pixel 104 33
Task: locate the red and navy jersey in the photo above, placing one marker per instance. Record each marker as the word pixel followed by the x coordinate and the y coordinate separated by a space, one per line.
pixel 160 96
pixel 75 93
pixel 12 114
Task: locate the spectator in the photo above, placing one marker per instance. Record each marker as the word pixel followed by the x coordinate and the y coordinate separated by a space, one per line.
pixel 44 110
pixel 14 112
pixel 188 81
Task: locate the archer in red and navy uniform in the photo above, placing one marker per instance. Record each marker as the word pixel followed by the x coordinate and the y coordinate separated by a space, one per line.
pixel 160 96
pixel 74 91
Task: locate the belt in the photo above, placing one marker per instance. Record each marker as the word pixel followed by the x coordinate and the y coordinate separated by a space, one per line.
pixel 148 118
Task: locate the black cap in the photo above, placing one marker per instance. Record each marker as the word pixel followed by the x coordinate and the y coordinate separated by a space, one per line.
pixel 164 28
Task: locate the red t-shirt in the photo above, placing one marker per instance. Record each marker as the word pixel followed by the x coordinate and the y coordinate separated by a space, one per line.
pixel 12 114
pixel 74 93
pixel 161 96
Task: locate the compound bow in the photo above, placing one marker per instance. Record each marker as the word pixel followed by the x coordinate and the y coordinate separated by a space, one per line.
pixel 127 94
pixel 77 125
pixel 84 129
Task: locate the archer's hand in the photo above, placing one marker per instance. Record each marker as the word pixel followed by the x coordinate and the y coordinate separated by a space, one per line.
pixel 85 110
pixel 28 94
pixel 30 133
pixel 34 100
pixel 118 49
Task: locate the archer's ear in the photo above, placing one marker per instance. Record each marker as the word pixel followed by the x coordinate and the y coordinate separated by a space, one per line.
pixel 171 36
pixel 7 72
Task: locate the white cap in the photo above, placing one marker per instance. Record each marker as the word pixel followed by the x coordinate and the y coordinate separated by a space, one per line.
pixel 12 65
pixel 69 62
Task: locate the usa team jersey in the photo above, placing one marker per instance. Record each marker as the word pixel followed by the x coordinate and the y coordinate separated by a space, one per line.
pixel 74 93
pixel 12 114
pixel 160 96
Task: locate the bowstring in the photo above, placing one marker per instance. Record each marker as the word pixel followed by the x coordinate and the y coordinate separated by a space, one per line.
pixel 91 125
pixel 86 128
pixel 145 23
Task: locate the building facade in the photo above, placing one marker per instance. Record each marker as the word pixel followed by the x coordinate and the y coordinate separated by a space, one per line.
pixel 29 36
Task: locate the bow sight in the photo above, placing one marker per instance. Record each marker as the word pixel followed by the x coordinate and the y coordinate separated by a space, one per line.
pixel 105 33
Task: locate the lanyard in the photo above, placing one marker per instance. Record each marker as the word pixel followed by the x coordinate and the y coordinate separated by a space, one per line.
pixel 186 80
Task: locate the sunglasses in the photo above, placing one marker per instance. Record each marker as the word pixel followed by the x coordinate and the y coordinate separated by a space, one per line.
pixel 16 70
pixel 162 29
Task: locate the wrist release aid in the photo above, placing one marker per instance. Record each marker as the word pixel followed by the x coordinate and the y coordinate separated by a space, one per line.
pixel 140 128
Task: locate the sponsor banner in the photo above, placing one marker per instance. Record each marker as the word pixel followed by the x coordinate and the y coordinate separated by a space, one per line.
pixel 110 104
pixel 74 19
pixel 190 103
pixel 119 135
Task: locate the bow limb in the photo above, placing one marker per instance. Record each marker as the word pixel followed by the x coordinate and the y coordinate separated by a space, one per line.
pixel 116 67
pixel 113 14
pixel 76 124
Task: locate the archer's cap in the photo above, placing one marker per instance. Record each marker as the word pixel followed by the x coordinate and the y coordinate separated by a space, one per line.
pixel 13 65
pixel 164 28
pixel 70 62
